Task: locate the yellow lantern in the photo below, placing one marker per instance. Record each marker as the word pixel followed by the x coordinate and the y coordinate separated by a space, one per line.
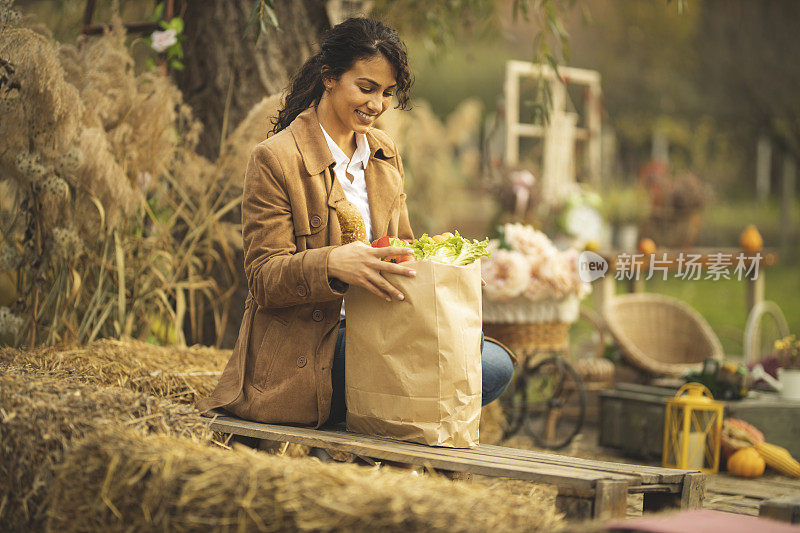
pixel 692 430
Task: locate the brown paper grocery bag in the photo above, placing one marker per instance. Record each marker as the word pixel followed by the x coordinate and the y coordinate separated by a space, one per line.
pixel 413 367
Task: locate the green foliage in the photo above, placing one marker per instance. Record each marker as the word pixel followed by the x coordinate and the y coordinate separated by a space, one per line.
pixel 174 53
pixel 262 16
pixel 441 26
pixel 625 205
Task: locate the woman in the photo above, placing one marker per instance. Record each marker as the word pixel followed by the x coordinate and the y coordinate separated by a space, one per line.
pixel 288 362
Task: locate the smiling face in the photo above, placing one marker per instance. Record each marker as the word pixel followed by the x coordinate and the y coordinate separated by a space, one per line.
pixel 360 95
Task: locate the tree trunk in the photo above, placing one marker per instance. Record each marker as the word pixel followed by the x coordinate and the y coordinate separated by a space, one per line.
pixel 219 64
pixel 219 60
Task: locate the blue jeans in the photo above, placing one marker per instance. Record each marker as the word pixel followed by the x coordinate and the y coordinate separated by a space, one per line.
pixel 496 372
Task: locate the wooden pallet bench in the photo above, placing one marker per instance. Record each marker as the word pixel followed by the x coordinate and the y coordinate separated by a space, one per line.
pixel 783 508
pixel 586 488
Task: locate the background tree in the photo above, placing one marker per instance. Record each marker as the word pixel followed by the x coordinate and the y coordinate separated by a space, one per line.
pixel 748 52
pixel 227 70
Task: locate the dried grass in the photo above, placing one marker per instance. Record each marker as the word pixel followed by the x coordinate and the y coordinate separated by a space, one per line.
pixel 235 152
pixel 40 414
pixel 120 480
pixel 175 373
pixel 102 177
pixel 116 221
pixel 117 478
pixel 53 126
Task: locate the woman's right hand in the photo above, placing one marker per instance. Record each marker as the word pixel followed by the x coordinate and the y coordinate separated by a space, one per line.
pixel 359 264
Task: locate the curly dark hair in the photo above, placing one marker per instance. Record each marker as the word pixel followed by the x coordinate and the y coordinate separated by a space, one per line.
pixel 344 44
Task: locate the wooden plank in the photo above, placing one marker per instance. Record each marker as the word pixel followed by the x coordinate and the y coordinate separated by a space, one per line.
pixel 731 498
pixel 730 507
pixel 754 488
pixel 649 474
pixel 386 449
pixel 285 433
pixel 694 486
pixel 656 487
pixel 610 500
pixel 645 474
pixel 785 509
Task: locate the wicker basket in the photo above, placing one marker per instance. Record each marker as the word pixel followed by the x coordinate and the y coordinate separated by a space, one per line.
pixel 530 337
pixel 521 310
pixel 660 335
pixel 530 327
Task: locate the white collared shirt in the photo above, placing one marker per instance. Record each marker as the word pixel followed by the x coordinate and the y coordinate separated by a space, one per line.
pixel 355 191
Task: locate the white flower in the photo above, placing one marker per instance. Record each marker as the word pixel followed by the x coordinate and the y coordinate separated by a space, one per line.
pixel 144 180
pixel 558 274
pixel 528 241
pixel 538 289
pixel 506 274
pixel 163 39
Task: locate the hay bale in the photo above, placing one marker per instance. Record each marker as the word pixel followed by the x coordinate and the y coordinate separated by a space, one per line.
pixel 40 415
pixel 181 374
pixel 122 480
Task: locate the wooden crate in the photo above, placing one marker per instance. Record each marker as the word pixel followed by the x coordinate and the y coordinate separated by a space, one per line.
pixel 632 419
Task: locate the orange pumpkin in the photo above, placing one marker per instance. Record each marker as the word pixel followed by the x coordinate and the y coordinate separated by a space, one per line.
pixel 647 246
pixel 747 462
pixel 750 240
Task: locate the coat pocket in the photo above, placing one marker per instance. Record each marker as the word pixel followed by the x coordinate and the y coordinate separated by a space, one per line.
pixel 312 233
pixel 267 353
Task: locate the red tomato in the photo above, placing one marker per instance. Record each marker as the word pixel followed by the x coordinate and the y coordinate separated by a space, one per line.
pixel 399 258
pixel 383 242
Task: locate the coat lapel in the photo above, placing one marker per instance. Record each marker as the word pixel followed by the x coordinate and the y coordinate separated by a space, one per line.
pixel 311 142
pixel 383 180
pixel 383 190
pixel 335 195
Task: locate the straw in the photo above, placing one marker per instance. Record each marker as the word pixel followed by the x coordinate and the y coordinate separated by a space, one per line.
pixel 121 480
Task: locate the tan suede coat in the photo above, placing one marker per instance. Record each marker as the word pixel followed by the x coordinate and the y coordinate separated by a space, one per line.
pixel 280 369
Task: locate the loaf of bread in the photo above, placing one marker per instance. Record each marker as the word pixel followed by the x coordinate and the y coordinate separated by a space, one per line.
pixel 351 223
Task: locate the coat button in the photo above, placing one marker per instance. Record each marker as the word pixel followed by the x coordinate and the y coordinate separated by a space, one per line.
pixel 316 221
pixel 317 315
pixel 301 361
pixel 301 290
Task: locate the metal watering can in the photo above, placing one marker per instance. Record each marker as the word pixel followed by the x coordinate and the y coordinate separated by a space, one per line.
pixel 787 384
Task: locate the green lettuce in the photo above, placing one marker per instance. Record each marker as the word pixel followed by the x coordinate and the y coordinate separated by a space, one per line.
pixel 454 250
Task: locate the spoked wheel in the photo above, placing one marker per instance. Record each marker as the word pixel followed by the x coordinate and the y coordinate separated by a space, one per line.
pixel 548 401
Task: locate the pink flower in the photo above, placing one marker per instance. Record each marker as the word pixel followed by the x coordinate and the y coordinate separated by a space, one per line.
pixel 528 241
pixel 506 274
pixel 538 290
pixel 163 39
